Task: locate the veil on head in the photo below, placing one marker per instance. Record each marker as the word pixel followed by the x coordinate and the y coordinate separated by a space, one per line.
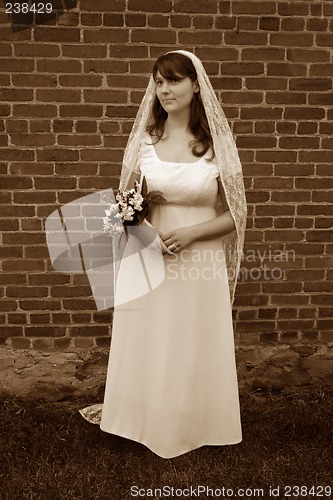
pixel 226 156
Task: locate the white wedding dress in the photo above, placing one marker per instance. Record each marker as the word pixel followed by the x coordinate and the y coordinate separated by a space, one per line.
pixel 171 380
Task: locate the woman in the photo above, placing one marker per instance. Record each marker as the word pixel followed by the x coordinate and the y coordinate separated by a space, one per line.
pixel 171 382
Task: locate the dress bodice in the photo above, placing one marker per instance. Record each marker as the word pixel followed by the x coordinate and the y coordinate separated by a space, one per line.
pixel 180 183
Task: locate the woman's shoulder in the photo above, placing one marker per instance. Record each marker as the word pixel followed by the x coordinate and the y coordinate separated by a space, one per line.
pixel 146 140
pixel 146 148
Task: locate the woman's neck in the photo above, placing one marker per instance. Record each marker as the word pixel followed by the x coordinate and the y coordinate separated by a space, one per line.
pixel 177 123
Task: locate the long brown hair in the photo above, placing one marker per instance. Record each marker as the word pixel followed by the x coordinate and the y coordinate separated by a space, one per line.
pixel 174 66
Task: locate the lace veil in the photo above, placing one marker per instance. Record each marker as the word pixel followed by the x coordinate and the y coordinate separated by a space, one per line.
pixel 226 155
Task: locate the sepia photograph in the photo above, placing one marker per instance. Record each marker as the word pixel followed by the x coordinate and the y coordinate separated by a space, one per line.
pixel 166 243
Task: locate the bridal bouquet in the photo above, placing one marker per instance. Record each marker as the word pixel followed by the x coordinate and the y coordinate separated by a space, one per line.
pixel 132 207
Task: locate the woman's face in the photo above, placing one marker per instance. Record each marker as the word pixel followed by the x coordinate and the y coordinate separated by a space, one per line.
pixel 175 95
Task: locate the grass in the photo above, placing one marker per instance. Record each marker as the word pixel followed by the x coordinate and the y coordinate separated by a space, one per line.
pixel 48 451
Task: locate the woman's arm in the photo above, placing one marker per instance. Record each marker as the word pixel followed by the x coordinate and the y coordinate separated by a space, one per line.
pixel 221 225
pixel 135 176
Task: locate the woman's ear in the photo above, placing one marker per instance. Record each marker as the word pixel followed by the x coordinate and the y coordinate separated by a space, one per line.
pixel 196 87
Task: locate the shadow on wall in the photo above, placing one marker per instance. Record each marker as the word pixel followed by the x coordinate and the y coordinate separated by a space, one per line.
pixel 22 18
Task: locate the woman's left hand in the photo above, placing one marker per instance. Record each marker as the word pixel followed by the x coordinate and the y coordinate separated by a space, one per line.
pixel 179 238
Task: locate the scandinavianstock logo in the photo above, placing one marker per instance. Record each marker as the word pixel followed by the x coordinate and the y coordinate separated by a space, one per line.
pixel 77 243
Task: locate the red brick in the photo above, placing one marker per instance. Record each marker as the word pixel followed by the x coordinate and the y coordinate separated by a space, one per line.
pixel 256 142
pixel 33 139
pixel 79 140
pixel 324 223
pixel 37 50
pixel 323 196
pixel 16 95
pixel 61 343
pixel 316 156
pixel 262 54
pixel 326 128
pixel 204 6
pixel 105 96
pixel 313 55
pixel 89 331
pixel 58 66
pixel 269 23
pixel 65 291
pixel 304 113
pixel 34 110
pixel 245 38
pixel 315 209
pixel 56 34
pixel 244 7
pixel 91 19
pixel 39 305
pixel 256 326
pixel 321 70
pixel 293 24
pixel 106 35
pixel 86 126
pixel 40 126
pixel 180 21
pixel 261 112
pixel 14 65
pixel 45 331
pixel 10 331
pixel 9 34
pixel 299 142
pixel 85 343
pixel 291 40
pixel 286 69
pixel 158 21
pixel 293 8
pixel 31 224
pixel 6 49
pixel 138 20
pixel 4 110
pixel 225 22
pixel 31 168
pixel 307 128
pixel 20 343
pixel 57 154
pixel 80 110
pixel 103 342
pixel 249 23
pixel 264 127
pixel 322 299
pixel 102 5
pixel 295 170
pixel 319 235
pixel 128 51
pixel 315 24
pixel 310 84
pixel 217 53
pixel 285 97
pixel 5 80
pixel 324 40
pixel 242 68
pixel 113 20
pixel 324 98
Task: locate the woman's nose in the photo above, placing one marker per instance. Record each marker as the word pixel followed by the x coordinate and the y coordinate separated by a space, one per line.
pixel 165 87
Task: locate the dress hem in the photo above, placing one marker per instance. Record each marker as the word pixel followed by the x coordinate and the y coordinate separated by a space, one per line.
pixel 173 455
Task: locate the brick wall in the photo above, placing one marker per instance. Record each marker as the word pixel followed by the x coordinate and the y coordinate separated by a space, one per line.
pixel 71 84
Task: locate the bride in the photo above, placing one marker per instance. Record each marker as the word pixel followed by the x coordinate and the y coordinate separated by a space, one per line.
pixel 171 380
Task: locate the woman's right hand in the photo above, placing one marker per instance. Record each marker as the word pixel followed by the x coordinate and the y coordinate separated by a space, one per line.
pixel 163 246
